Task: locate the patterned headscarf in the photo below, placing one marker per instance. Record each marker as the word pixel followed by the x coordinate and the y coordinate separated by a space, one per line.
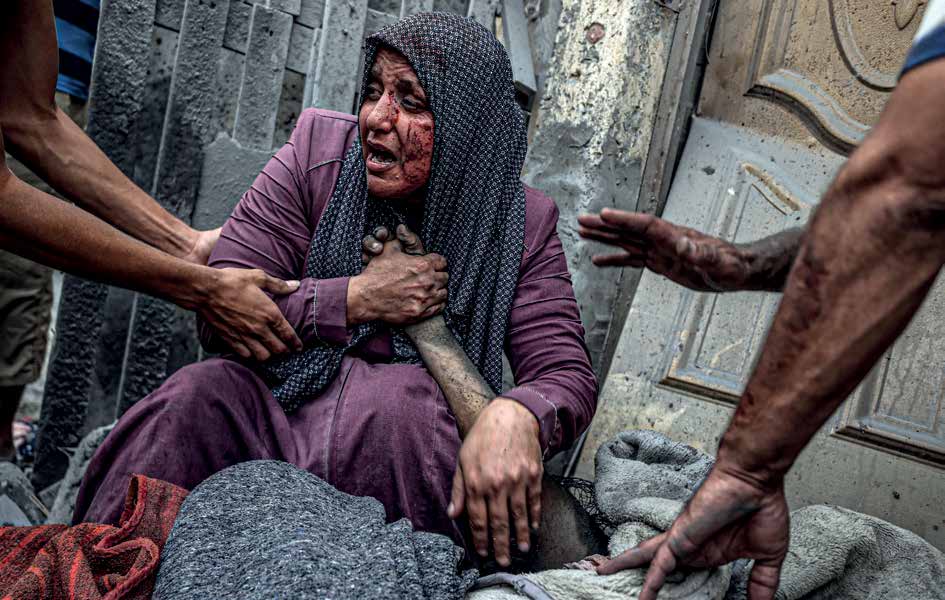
pixel 474 212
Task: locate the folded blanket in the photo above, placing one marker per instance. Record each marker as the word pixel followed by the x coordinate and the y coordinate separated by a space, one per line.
pixel 91 561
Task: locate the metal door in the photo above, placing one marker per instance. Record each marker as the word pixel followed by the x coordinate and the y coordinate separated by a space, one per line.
pixel 791 87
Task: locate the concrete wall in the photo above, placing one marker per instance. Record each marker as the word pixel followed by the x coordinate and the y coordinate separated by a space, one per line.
pixel 593 129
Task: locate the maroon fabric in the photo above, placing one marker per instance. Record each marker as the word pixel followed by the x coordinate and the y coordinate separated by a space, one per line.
pixel 90 561
pixel 380 429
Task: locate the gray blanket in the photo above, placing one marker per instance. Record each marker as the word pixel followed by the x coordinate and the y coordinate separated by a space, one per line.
pixel 642 481
pixel 267 529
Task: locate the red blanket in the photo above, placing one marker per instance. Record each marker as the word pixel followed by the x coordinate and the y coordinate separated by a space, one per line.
pixel 91 561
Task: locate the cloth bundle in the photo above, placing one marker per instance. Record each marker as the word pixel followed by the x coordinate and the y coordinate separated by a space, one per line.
pixel 267 529
pixel 642 481
pixel 91 561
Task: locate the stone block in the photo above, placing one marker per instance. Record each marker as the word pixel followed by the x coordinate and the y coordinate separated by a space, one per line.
pixel 168 13
pixel 292 7
pixel 290 106
pixel 229 170
pixel 188 125
pixel 515 33
pixel 237 27
pixel 311 13
pixel 377 20
pixel 64 504
pixel 300 48
pixel 392 7
pixel 484 12
pixel 412 7
pixel 263 70
pixel 336 83
pixel 455 6
pixel 17 499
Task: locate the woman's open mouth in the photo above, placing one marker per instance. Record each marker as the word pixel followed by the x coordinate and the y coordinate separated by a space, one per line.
pixel 379 160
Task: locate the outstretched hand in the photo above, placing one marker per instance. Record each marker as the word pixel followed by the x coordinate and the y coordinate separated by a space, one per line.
pixel 730 517
pixel 683 255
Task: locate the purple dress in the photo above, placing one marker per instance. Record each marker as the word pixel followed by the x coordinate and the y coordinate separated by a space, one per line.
pixel 379 429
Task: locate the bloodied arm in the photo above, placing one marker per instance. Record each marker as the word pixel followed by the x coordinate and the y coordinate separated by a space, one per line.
pixel 871 254
pixel 689 257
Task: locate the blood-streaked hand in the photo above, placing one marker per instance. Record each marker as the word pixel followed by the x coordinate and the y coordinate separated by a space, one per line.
pixel 683 255
pixel 731 516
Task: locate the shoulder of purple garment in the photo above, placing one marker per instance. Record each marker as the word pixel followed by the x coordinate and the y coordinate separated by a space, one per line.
pixel 323 136
pixel 541 219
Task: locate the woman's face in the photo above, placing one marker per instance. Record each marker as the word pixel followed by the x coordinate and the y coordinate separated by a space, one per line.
pixel 396 129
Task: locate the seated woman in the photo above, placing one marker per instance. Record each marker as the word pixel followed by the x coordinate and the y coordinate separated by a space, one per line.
pixel 438 145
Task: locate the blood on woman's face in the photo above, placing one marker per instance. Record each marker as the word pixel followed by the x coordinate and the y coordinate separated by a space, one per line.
pixel 396 129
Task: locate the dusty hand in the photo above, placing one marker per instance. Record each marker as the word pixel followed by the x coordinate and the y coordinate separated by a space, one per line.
pixel 498 478
pixel 400 284
pixel 683 255
pixel 730 517
pixel 245 317
pixel 203 246
pixel 372 245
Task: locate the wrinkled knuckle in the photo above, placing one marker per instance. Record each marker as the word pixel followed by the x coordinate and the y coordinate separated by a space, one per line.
pixel 474 486
pixel 515 476
pixel 496 485
pixel 534 470
pixel 477 521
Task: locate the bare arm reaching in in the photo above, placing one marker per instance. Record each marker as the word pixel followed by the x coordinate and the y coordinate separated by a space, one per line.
pixel 691 258
pixel 44 229
pixel 867 261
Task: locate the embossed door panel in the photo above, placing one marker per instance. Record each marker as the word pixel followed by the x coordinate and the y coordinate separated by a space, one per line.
pixel 791 88
pixel 899 406
pixel 828 65
pixel 719 334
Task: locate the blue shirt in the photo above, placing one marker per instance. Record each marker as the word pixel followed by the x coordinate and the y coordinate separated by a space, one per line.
pixel 930 40
pixel 76 27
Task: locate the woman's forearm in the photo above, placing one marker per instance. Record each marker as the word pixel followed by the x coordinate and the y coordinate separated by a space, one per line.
pixel 56 149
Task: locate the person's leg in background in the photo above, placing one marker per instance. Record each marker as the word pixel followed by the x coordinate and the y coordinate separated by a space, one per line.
pixel 25 305
pixel 25 309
